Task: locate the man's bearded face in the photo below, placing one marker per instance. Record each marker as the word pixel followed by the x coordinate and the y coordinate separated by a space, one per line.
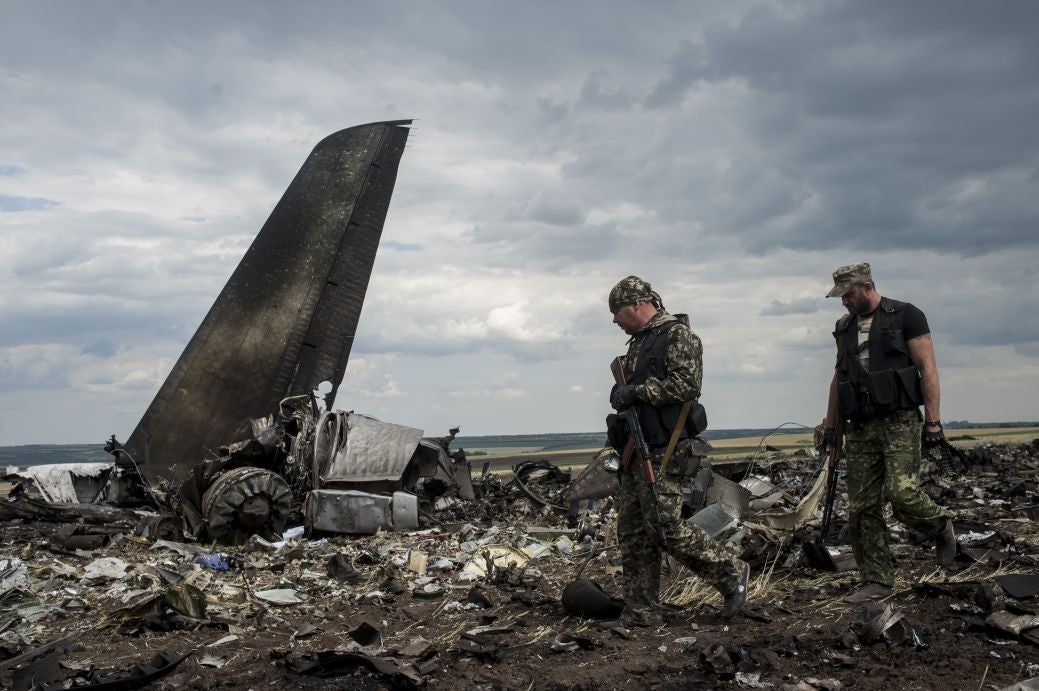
pixel 857 301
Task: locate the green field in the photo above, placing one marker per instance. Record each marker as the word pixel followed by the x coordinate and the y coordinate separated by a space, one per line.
pixel 567 448
pixel 740 447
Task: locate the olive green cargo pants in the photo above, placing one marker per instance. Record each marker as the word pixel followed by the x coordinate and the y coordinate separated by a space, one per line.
pixel 883 463
pixel 638 532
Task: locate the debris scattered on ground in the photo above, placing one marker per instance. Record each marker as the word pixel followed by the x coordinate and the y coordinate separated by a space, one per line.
pixel 506 587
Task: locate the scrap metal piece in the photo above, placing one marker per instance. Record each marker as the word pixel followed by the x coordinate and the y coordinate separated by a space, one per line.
pixel 495 556
pixel 791 520
pixel 358 452
pixel 41 674
pixel 141 674
pixel 715 519
pixel 734 497
pixel 66 483
pixel 61 645
pixel 244 502
pixel 885 623
pixel 352 511
pixel 529 474
pixel 372 451
pixel 1013 623
pixel 160 527
pixel 285 321
pixel 1019 586
pixel 598 479
pixel 332 663
pixel 93 514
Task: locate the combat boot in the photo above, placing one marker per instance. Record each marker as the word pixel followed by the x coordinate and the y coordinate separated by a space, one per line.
pixel 945 544
pixel 631 619
pixel 735 600
pixel 868 592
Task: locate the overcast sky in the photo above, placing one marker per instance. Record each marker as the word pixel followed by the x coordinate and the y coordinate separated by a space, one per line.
pixel 733 154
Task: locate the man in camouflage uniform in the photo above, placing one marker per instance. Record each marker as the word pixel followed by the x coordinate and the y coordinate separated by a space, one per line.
pixel 885 370
pixel 663 370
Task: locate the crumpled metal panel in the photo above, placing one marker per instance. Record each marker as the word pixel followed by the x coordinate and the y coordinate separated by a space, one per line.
pixel 352 511
pixel 374 451
pixel 286 319
pixel 67 483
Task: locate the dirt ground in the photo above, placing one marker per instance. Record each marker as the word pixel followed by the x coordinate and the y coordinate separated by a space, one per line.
pixel 794 634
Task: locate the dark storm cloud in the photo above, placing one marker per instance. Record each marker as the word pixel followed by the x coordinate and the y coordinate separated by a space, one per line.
pixel 911 124
pixel 598 93
pixel 732 153
pixel 554 209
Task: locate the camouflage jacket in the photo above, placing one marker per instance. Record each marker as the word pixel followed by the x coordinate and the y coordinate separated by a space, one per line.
pixel 683 362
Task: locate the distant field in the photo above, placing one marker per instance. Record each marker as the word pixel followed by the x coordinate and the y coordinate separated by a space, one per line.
pixel 740 447
pixel 563 449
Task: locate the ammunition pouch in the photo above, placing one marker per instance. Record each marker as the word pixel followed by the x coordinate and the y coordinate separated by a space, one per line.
pixel 697 420
pixel 616 431
pixel 880 392
pixel 683 463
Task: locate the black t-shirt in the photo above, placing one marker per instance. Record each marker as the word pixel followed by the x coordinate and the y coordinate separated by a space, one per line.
pixel 914 323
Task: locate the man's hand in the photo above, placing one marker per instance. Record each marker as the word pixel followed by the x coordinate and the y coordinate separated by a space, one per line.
pixel 623 397
pixel 828 442
pixel 933 434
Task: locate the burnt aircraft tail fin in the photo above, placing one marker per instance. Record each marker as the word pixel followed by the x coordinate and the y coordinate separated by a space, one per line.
pixel 286 319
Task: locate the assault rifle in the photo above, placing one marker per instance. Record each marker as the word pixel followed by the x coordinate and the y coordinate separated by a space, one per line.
pixel 816 552
pixel 636 445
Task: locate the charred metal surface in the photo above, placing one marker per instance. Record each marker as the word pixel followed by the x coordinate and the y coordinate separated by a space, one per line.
pixel 244 502
pixel 286 319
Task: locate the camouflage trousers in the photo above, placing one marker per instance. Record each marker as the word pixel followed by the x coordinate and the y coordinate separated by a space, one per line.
pixel 883 462
pixel 638 533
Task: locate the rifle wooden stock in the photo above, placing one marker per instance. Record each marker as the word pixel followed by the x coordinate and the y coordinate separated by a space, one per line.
pixel 636 446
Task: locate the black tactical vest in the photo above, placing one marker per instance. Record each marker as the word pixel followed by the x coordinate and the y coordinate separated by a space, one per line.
pixel 892 382
pixel 658 423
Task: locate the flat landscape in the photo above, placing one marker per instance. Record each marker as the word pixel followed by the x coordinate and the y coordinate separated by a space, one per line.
pixel 727 447
pixel 433 607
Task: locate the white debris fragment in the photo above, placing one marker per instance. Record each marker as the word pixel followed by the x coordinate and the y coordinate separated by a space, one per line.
pixel 417 561
pixel 178 547
pixel 537 550
pixel 221 641
pixel 280 596
pixel 56 481
pixel 502 556
pixel 112 568
pixel 972 537
pixel 749 680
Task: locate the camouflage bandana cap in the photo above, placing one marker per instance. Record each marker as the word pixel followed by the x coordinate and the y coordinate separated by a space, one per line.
pixel 845 277
pixel 629 291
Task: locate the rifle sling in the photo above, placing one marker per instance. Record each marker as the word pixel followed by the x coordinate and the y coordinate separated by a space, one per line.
pixel 675 435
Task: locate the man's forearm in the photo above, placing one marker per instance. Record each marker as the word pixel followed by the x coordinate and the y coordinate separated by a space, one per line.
pixel 931 389
pixel 921 350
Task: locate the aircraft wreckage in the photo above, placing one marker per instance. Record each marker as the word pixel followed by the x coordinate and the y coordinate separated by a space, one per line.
pixel 236 441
